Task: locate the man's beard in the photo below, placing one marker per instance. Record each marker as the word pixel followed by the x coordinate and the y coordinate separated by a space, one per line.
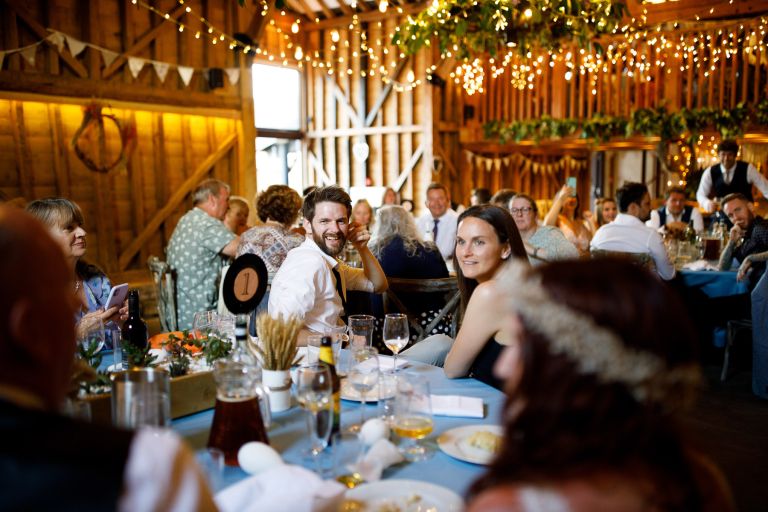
pixel 320 241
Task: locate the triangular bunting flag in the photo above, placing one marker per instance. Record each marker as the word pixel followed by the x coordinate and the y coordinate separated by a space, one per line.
pixel 136 64
pixel 161 68
pixel 57 38
pixel 233 74
pixel 75 47
pixel 506 161
pixel 29 54
pixel 488 164
pixel 185 73
pixel 470 156
pixel 108 56
pixel 497 164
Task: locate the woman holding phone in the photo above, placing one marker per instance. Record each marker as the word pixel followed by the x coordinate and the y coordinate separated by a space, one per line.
pixel 566 214
pixel 64 221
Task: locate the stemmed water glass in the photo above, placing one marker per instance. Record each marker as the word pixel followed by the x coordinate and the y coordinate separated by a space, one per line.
pixel 91 340
pixel 203 323
pixel 363 376
pixel 413 416
pixel 395 334
pixel 314 390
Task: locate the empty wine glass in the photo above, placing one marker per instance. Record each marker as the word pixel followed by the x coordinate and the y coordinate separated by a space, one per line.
pixel 91 339
pixel 363 376
pixel 314 390
pixel 395 334
pixel 413 416
pixel 204 323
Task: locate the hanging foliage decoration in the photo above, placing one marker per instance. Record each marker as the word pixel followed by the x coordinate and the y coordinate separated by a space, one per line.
pixel 93 119
pixel 467 28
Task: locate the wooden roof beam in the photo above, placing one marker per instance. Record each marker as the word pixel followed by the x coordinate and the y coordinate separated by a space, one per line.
pixel 326 10
pixel 259 23
pixel 364 17
pixel 687 10
pixel 143 42
pixel 41 32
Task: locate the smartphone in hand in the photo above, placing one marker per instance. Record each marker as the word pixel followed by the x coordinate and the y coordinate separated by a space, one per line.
pixel 571 182
pixel 117 296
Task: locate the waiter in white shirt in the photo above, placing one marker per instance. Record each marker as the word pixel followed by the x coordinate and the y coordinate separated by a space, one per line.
pixel 728 177
pixel 675 215
pixel 312 283
pixel 440 221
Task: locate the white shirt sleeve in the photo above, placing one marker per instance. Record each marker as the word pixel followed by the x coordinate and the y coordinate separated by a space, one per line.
pixel 698 220
pixel 664 267
pixel 293 291
pixel 757 179
pixel 655 221
pixel 161 474
pixel 705 187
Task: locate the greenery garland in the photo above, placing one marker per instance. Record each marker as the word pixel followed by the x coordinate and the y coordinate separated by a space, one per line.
pixel 684 124
pixel 470 27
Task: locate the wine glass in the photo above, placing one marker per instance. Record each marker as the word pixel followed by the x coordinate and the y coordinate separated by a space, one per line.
pixel 363 376
pixel 92 338
pixel 203 323
pixel 395 334
pixel 413 416
pixel 314 390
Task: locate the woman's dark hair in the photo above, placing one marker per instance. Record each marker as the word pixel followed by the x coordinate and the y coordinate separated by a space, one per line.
pixel 330 194
pixel 500 219
pixel 280 203
pixel 59 212
pixel 562 423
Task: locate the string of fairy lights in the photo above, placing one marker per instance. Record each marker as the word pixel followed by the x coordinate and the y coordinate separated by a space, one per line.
pixel 639 49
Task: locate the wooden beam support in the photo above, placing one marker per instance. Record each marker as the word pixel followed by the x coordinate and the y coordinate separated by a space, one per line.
pixel 409 167
pixel 24 166
pixel 143 42
pixel 175 200
pixel 365 17
pixel 41 32
pixel 326 10
pixel 259 23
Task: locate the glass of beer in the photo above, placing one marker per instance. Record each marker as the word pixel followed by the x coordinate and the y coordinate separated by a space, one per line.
pixel 314 392
pixel 413 416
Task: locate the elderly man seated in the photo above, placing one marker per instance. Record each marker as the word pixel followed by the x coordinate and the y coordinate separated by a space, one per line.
pixel 628 233
pixel 47 461
pixel 748 239
pixel 675 215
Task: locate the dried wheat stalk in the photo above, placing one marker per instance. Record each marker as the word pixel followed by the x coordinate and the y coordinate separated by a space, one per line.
pixel 278 341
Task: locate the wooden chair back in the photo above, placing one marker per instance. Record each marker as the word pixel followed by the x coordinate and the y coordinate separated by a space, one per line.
pixel 399 288
pixel 165 289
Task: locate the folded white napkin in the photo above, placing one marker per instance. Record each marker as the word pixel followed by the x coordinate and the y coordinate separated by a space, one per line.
pixel 380 456
pixel 285 487
pixel 386 363
pixel 459 406
pixel 700 265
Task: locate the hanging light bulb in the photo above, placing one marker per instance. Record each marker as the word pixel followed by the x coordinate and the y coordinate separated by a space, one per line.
pixel 383 6
pixel 335 36
pixel 410 77
pixel 298 54
pixel 295 27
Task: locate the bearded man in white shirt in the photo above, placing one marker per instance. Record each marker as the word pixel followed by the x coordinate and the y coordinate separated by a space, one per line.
pixel 440 222
pixel 728 177
pixel 312 282
pixel 628 232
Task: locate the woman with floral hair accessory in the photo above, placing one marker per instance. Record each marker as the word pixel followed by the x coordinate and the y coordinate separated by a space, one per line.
pixel 603 360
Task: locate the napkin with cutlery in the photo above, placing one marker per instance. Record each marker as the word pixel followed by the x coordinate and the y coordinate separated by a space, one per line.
pixel 284 487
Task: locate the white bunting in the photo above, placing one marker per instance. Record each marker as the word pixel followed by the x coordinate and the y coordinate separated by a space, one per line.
pixel 488 164
pixel 75 47
pixel 233 74
pixel 185 73
pixel 108 55
pixel 161 68
pixel 29 54
pixel 136 64
pixel 57 38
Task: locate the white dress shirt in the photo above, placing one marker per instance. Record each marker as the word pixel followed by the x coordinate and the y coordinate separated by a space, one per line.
pixel 627 233
pixel 304 286
pixel 705 185
pixel 655 220
pixel 446 230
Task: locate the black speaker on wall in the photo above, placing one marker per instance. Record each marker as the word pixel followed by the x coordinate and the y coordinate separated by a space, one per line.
pixel 215 78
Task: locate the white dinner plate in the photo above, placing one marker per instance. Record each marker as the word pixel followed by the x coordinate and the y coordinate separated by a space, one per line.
pixel 405 495
pixel 348 392
pixel 455 442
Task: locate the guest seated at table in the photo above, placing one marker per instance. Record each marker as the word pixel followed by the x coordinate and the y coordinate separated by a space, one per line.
pixel 479 196
pixel 674 216
pixel 600 365
pixel 402 253
pixel 362 213
pixel 605 212
pixel 566 214
pixel 747 241
pixel 278 208
pixel 390 197
pixel 542 243
pixel 486 240
pixel 64 221
pixel 629 234
pixel 502 197
pixel 312 283
pixel 47 461
pixel 236 218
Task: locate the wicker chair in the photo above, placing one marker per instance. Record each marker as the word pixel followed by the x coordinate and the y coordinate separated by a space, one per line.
pixel 400 287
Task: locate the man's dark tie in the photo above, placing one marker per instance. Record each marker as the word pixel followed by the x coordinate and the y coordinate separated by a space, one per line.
pixel 434 230
pixel 340 291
